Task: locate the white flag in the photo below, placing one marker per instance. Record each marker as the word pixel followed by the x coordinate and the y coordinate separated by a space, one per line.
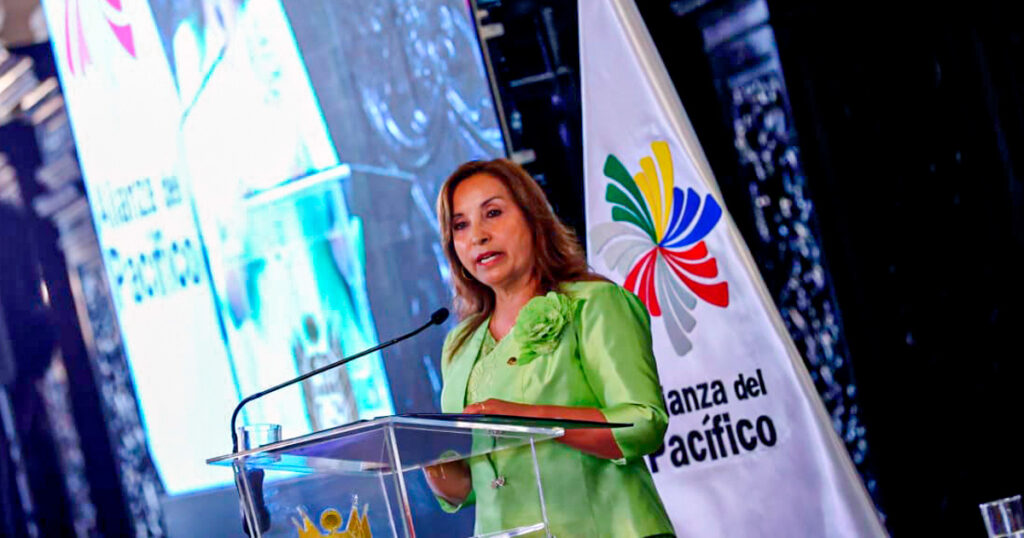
pixel 749 449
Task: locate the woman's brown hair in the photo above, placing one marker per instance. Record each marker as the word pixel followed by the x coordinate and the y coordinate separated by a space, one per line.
pixel 558 254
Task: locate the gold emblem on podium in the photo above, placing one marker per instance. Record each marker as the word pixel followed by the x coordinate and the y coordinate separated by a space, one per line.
pixel 331 520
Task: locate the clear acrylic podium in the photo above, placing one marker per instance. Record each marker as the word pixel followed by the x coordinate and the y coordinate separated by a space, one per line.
pixel 366 479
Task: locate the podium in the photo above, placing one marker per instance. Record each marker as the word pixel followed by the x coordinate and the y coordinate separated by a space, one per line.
pixel 367 478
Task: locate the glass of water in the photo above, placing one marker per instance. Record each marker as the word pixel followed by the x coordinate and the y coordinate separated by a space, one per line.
pixel 1004 518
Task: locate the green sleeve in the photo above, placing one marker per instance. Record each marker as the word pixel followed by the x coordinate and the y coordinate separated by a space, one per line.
pixel 446 351
pixel 618 361
pixel 445 360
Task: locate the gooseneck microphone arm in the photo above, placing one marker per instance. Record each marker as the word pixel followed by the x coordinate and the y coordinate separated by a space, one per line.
pixel 436 318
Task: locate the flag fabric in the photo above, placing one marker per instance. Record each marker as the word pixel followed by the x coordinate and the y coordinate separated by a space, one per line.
pixel 749 449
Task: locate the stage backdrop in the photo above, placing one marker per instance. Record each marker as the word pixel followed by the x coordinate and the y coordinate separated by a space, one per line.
pixel 749 450
pixel 261 175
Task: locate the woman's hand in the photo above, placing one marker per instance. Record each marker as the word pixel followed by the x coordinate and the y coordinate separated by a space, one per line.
pixel 494 406
pixel 450 481
pixel 594 441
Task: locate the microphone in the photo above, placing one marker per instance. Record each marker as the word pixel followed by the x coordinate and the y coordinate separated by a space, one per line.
pixel 255 476
pixel 437 318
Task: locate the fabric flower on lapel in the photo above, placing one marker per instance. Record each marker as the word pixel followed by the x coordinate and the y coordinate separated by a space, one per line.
pixel 540 324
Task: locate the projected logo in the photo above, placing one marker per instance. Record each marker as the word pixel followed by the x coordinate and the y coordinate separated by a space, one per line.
pixel 656 238
pixel 76 48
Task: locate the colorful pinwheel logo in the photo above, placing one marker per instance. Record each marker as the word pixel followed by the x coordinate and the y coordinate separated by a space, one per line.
pixel 76 50
pixel 656 239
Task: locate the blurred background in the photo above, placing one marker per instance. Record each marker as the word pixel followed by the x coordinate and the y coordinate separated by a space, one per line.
pixel 868 153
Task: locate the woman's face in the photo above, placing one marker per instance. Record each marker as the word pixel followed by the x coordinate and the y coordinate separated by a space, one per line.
pixel 492 238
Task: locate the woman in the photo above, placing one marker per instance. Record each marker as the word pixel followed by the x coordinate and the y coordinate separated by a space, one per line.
pixel 541 336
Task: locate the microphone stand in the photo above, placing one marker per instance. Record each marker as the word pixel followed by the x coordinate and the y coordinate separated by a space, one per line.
pixel 437 318
pixel 255 476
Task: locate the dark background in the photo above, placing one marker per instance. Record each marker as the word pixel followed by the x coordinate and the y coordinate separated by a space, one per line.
pixel 913 135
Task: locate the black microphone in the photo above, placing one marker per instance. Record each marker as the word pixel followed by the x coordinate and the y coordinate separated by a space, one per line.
pixel 437 318
pixel 255 476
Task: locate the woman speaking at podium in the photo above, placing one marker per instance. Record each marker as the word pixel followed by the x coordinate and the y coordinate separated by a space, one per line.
pixel 542 336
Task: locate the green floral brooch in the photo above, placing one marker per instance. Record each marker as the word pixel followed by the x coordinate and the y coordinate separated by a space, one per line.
pixel 540 324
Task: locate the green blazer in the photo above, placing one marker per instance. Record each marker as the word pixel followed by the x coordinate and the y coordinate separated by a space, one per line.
pixel 601 358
